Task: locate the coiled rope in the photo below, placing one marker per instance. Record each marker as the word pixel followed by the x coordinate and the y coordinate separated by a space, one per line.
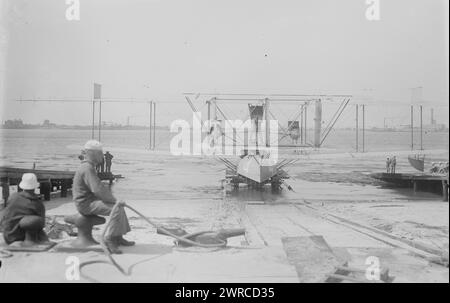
pixel 112 261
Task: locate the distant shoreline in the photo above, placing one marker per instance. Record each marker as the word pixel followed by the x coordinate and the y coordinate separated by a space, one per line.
pixel 167 128
pixel 85 128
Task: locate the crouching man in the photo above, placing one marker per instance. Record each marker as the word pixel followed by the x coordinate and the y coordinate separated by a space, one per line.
pixel 24 217
pixel 91 197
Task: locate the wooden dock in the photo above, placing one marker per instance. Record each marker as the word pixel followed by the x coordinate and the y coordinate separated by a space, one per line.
pixel 425 182
pixel 49 180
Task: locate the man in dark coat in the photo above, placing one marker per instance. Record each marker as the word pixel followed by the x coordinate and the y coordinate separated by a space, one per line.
pixel 108 160
pixel 24 216
pixel 91 197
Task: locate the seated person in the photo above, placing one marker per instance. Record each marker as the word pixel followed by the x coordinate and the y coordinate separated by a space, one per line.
pixel 91 197
pixel 24 217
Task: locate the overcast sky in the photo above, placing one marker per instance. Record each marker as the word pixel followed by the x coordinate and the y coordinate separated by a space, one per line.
pixel 160 49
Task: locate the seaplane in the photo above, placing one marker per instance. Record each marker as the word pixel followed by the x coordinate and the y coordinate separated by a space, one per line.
pixel 258 164
pixel 256 161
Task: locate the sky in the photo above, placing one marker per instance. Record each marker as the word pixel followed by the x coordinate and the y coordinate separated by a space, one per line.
pixel 158 49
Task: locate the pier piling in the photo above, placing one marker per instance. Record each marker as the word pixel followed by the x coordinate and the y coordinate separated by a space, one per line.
pixel 5 189
pixel 64 187
pixel 445 190
pixel 45 189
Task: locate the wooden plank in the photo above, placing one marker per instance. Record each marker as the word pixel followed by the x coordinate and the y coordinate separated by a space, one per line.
pixel 312 257
pixel 47 178
pixel 419 177
pixel 16 173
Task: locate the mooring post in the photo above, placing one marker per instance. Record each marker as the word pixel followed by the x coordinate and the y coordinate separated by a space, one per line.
pixel 415 186
pixel 45 189
pixel 5 189
pixel 64 187
pixel 445 190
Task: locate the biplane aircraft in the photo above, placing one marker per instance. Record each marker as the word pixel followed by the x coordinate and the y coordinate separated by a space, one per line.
pixel 257 162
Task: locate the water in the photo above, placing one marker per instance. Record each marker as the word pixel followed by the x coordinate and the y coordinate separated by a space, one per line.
pixel 161 176
pixel 21 146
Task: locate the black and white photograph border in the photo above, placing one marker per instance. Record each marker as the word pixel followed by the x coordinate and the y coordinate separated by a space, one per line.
pixel 211 141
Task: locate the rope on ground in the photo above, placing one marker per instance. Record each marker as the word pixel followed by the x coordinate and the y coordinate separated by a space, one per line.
pixel 112 261
pixel 5 254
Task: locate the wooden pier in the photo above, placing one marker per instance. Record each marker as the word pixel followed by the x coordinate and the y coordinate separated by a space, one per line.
pixel 424 182
pixel 49 180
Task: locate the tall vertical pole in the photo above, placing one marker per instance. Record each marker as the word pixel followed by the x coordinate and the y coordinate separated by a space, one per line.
pixel 93 118
pixel 363 127
pixel 266 107
pixel 317 123
pixel 412 127
pixel 150 127
pixel 356 128
pixel 306 120
pixel 99 119
pixel 301 124
pixel 209 109
pixel 432 122
pixel 421 129
pixel 215 108
pixel 154 124
pixel 209 115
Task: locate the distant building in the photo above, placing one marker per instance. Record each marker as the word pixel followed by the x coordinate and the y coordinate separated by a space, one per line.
pixel 16 123
pixel 47 124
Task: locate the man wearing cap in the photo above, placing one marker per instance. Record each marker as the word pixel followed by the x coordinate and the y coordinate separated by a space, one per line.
pixel 393 164
pixel 24 217
pixel 91 197
pixel 108 161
